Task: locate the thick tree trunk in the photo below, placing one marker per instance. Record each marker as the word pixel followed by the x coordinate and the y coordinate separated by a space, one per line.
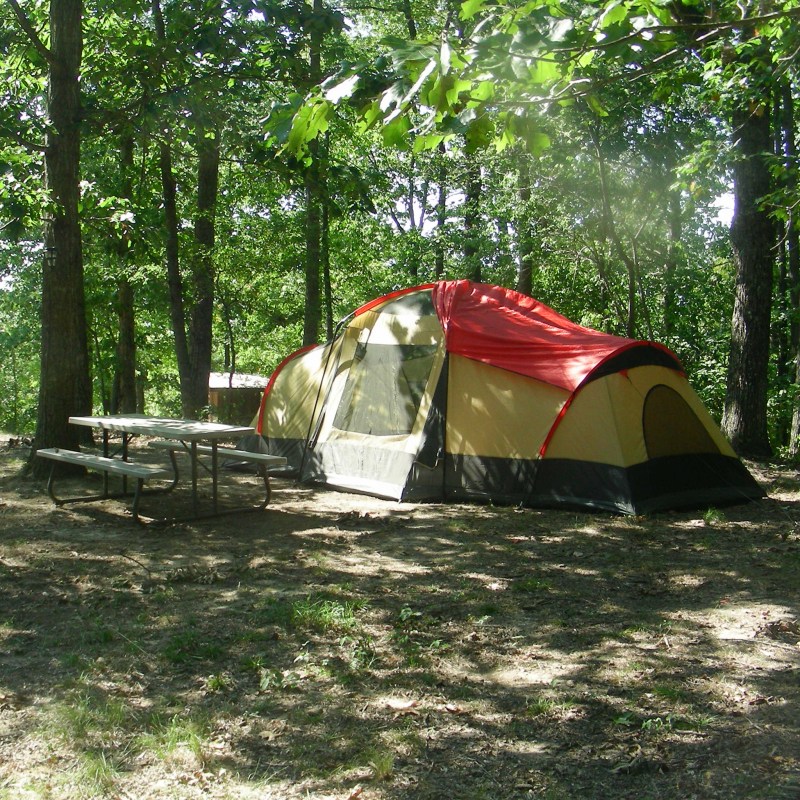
pixel 169 192
pixel 65 385
pixel 744 421
pixel 792 255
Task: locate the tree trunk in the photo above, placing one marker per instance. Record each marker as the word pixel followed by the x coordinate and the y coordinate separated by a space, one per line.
pixel 472 204
pixel 169 192
pixel 525 264
pixel 195 400
pixel 313 305
pixel 441 213
pixel 326 268
pixel 125 378
pixel 614 237
pixel 408 14
pixel 792 255
pixel 65 385
pixel 744 421
pixel 675 215
pixel 174 280
pixel 314 198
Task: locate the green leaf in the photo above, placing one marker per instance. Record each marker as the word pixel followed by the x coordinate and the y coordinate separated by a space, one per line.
pixel 545 70
pixel 308 123
pixel 483 91
pixel 456 89
pixel 395 134
pixel 370 116
pixel 506 139
pixel 615 12
pixel 596 105
pixel 469 8
pixel 537 142
pixel 429 141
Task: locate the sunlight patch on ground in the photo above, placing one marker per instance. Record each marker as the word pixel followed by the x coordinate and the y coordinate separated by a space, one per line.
pixel 542 673
pixel 378 564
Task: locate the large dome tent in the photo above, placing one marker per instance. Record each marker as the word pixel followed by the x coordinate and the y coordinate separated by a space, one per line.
pixel 464 391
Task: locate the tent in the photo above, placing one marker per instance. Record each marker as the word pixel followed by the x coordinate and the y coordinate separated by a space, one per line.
pixel 465 391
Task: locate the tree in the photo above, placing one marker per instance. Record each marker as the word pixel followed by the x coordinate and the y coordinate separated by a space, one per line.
pixel 65 386
pixel 753 239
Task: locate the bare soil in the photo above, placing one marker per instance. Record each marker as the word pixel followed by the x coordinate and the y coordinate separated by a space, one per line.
pixel 340 646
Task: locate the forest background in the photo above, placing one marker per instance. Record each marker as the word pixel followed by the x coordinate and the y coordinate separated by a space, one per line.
pixel 207 185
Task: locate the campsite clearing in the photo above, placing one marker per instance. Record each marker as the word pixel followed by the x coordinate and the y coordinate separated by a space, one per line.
pixel 341 646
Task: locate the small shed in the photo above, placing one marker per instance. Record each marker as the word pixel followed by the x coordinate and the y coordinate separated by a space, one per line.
pixel 235 397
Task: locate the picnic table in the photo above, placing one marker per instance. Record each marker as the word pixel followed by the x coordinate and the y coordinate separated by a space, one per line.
pixel 197 439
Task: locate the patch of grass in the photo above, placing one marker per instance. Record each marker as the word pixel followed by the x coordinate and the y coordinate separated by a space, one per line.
pixel 544 706
pixel 484 612
pixel 713 516
pixel 671 693
pixel 97 632
pixel 167 738
pixel 96 773
pixel 326 615
pixel 273 611
pixel 664 723
pixel 314 613
pixel 87 715
pixel 531 585
pixel 414 638
pixel 382 765
pixel 360 650
pixel 661 628
pixel 165 594
pixel 219 682
pixel 677 722
pixel 286 680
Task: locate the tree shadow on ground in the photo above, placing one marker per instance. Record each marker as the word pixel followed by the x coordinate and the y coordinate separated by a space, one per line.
pixel 336 642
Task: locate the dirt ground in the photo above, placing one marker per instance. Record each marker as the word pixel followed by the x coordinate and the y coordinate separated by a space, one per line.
pixel 339 646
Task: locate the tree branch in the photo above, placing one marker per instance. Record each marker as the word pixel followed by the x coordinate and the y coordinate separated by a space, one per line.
pixel 22 142
pixel 25 24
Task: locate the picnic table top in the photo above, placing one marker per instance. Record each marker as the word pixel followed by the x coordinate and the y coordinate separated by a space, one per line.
pixel 165 427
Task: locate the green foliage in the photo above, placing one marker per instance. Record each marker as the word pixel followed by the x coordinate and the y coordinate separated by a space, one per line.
pixel 534 97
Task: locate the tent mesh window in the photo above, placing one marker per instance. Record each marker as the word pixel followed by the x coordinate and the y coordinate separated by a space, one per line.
pixel 671 427
pixel 384 388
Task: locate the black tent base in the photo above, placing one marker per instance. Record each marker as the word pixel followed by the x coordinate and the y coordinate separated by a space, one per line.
pixel 670 483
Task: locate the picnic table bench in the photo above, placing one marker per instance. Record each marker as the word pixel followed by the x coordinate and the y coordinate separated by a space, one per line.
pixel 262 461
pixel 127 469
